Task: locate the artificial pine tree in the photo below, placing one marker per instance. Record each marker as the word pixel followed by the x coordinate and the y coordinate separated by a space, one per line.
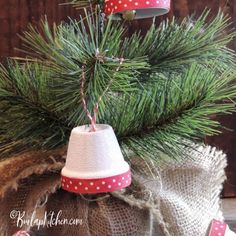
pixel 158 90
pixel 171 81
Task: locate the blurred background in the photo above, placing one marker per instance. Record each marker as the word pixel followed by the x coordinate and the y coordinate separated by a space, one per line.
pixel 15 15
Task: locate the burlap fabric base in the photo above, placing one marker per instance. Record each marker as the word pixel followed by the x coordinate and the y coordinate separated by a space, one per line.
pixel 179 199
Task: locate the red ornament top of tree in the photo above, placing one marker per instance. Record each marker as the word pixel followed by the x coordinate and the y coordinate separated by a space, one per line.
pixel 142 8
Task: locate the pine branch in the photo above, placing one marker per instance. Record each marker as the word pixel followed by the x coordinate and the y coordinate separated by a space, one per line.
pixel 173 45
pixel 64 54
pixel 171 81
pixel 26 121
pixel 163 117
pixel 80 4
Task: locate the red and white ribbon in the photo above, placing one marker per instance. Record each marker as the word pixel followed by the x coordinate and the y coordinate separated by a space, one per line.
pixel 114 6
pixel 100 185
pixel 219 228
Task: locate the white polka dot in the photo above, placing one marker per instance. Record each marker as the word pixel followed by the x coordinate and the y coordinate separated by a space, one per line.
pixel 119 184
pixel 109 9
pixel 80 183
pixel 120 2
pixel 115 7
pixel 76 187
pixel 127 181
pixel 67 186
pixel 98 187
pixel 62 185
pixel 221 226
pixel 218 223
pixel 113 180
pixel 63 180
pixel 216 228
pixel 158 2
pixel 125 5
pixel 123 178
pixel 103 182
pixel 219 234
pixel 91 183
pixel 86 188
pixel 147 2
pixel 130 0
pixel 109 186
pixel 136 3
pixel 111 3
pixel 70 182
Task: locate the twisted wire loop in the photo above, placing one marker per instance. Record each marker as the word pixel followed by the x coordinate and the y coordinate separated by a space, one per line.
pixel 93 118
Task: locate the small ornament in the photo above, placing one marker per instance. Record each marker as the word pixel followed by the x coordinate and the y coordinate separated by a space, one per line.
pixel 94 162
pixel 142 8
pixel 129 15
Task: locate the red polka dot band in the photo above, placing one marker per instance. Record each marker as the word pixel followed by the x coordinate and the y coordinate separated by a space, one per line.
pixel 143 8
pixel 100 185
pixel 219 228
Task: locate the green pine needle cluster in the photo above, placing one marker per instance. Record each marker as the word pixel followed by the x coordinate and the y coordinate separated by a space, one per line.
pixel 80 4
pixel 171 81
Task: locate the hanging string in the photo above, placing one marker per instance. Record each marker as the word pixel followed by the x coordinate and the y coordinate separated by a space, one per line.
pixel 93 118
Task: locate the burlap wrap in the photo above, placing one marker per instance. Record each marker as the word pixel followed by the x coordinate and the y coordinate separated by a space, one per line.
pixel 178 198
